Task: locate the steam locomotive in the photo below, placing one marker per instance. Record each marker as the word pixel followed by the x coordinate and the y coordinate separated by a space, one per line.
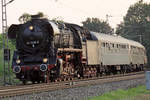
pixel 46 51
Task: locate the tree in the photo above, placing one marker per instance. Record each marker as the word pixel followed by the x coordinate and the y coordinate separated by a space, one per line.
pixel 27 17
pixel 136 25
pixel 58 19
pixel 10 43
pixel 97 25
pixel 41 14
pixel 120 28
pixel 24 18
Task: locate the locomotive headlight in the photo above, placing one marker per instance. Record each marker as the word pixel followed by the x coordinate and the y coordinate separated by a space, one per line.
pixel 18 61
pixel 45 60
pixel 31 28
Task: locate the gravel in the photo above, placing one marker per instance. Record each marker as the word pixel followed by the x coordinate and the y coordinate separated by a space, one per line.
pixel 80 93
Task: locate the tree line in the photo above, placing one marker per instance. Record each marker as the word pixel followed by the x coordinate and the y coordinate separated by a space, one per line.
pixel 136 25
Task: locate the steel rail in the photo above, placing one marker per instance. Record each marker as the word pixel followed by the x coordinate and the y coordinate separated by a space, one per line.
pixel 36 88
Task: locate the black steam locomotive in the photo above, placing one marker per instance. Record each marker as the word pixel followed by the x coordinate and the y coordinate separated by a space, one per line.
pixel 49 51
pixel 44 47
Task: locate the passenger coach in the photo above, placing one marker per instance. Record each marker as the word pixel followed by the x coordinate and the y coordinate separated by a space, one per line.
pixel 115 52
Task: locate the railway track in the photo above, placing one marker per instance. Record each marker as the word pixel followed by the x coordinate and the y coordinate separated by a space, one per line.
pixel 9 91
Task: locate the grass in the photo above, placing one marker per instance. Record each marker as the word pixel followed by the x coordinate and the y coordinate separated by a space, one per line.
pixel 12 75
pixel 129 94
pixel 1 63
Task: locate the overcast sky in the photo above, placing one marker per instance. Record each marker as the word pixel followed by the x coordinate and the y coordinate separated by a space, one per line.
pixel 73 11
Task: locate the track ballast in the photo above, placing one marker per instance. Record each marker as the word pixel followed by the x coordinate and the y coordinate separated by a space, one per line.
pixel 10 91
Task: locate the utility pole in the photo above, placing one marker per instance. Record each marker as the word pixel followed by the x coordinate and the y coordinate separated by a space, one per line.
pixel 6 50
pixel 107 21
pixel 107 17
pixel 140 38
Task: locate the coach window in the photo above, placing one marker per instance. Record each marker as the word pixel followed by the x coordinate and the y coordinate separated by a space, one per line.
pixel 132 47
pixel 113 45
pixel 127 46
pixel 120 46
pixel 117 45
pixel 142 51
pixel 124 46
pixel 103 44
pixel 139 50
pixel 107 44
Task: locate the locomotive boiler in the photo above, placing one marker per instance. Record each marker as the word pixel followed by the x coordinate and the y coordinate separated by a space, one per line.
pixel 46 51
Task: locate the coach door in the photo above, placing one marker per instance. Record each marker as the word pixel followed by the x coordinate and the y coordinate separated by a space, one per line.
pixel 92 52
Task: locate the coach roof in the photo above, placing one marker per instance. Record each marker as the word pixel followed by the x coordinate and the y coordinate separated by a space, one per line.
pixel 115 39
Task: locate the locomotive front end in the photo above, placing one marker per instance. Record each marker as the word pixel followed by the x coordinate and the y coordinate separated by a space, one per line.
pixel 35 52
